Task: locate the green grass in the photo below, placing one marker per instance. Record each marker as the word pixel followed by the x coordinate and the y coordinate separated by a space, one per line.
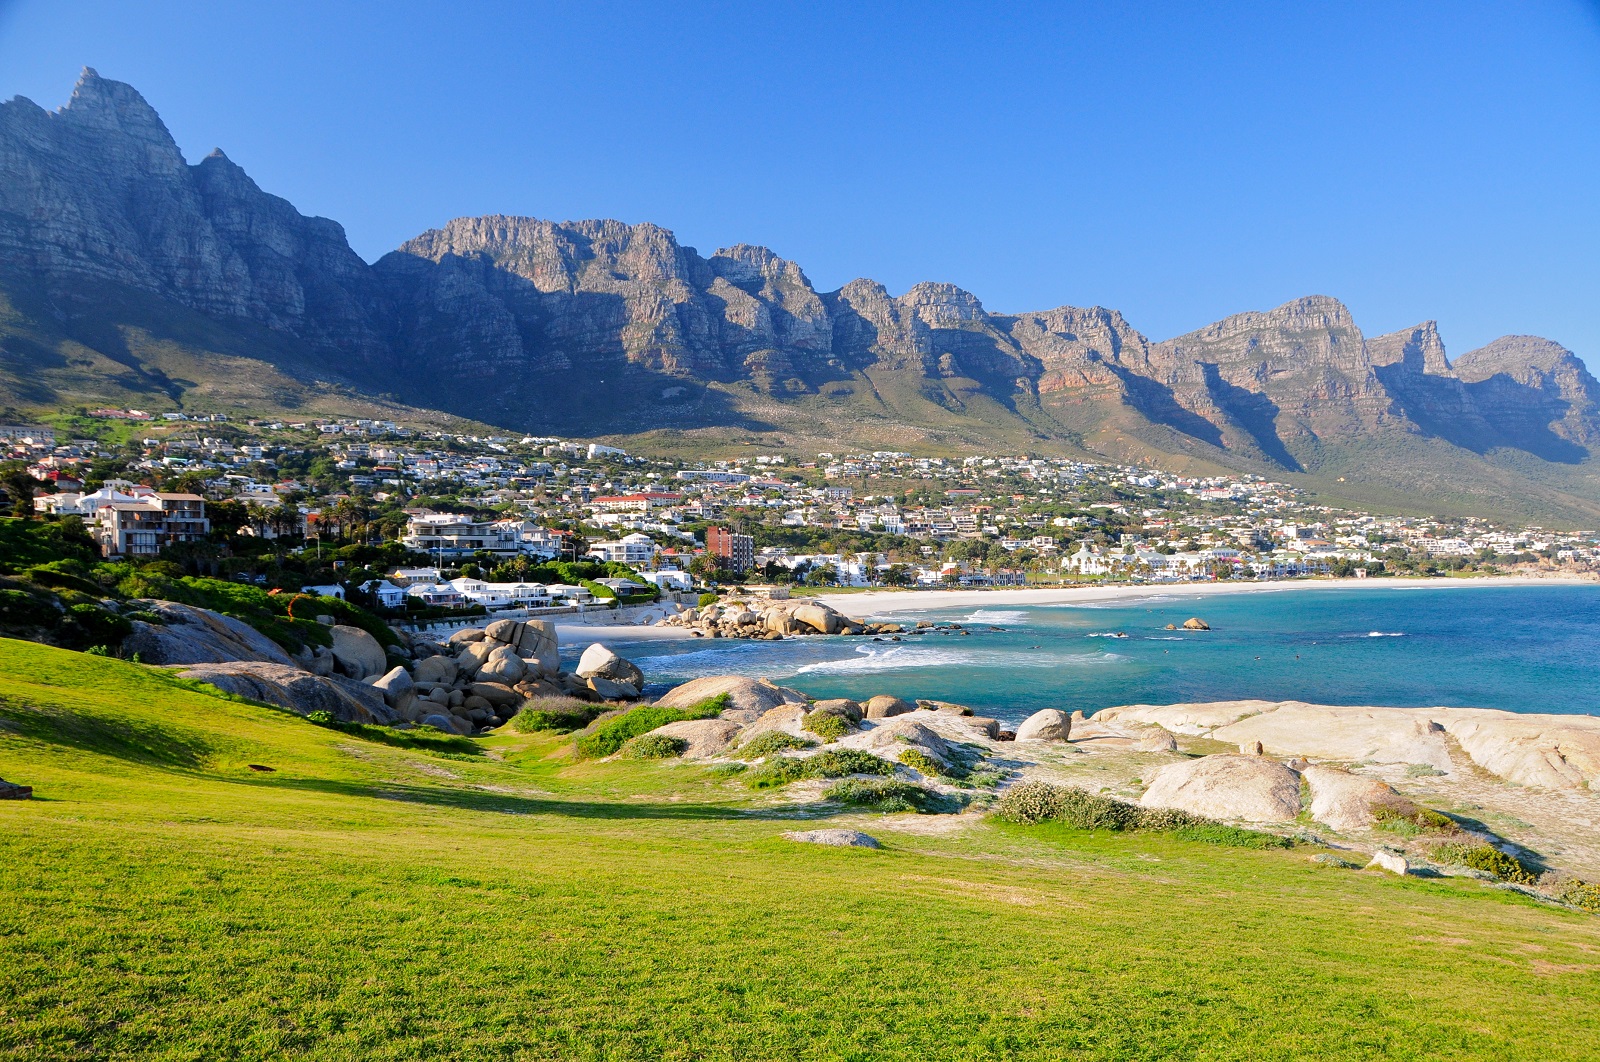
pixel 609 735
pixel 164 901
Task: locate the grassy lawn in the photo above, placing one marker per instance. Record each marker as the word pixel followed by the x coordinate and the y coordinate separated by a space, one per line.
pixel 164 900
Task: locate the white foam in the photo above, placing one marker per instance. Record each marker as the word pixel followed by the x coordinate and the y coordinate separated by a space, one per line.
pixel 997 615
pixel 1386 634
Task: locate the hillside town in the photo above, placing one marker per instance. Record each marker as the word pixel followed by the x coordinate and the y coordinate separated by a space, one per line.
pixel 460 519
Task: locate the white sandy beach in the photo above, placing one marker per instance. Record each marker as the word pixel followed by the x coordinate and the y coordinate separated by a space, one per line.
pixel 589 633
pixel 883 602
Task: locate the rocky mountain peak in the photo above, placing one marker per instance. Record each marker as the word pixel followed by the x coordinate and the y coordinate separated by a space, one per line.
pixel 1517 356
pixel 1418 349
pixel 107 106
pixel 942 305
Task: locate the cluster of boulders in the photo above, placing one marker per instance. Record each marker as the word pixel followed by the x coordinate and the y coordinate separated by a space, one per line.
pixel 773 620
pixel 481 676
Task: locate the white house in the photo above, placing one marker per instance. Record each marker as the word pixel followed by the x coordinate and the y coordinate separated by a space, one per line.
pixel 635 550
pixel 669 579
pixel 386 593
pixel 324 590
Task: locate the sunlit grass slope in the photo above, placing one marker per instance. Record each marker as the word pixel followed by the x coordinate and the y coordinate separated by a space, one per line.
pixel 161 899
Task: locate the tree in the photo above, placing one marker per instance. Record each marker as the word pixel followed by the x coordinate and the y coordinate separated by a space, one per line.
pixel 899 575
pixel 20 487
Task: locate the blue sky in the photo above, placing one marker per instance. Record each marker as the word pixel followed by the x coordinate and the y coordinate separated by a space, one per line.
pixel 1177 162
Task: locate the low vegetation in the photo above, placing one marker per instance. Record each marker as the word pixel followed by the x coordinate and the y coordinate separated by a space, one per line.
pixel 560 715
pixel 826 725
pixel 654 747
pixel 886 794
pixel 1037 802
pixel 609 735
pixel 1486 857
pixel 831 763
pixel 772 743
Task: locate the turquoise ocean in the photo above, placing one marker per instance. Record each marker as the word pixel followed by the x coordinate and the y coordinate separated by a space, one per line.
pixel 1519 648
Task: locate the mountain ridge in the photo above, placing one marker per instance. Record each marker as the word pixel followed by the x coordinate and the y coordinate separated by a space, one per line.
pixel 604 328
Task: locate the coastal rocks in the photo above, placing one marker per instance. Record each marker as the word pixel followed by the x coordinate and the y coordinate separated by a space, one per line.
pixel 786 718
pixel 599 662
pixel 356 653
pixel 819 618
pixel 703 738
pixel 883 706
pixel 289 687
pixel 891 738
pixel 189 635
pixel 1553 751
pixel 502 666
pixel 1348 735
pixel 1195 623
pixel 760 618
pixel 1051 724
pixel 842 707
pixel 399 692
pixel 834 838
pixel 1391 862
pixel 436 669
pixel 1242 788
pixel 14 791
pixel 1344 801
pixel 1191 719
pixel 748 699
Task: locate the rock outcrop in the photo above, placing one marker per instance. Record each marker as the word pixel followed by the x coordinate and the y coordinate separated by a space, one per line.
pixel 1345 801
pixel 748 699
pixel 1049 724
pixel 1552 751
pixel 299 691
pixel 1227 787
pixel 834 838
pixel 190 635
pixel 356 653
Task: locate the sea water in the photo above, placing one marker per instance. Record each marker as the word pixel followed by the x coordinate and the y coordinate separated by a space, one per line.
pixel 1523 649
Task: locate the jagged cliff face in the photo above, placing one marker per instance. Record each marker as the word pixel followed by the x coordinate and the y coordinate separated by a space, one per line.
pixel 99 191
pixel 600 326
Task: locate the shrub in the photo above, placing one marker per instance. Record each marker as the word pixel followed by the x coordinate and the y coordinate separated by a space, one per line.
pixel 1487 858
pixel 654 747
pixel 1035 802
pixel 771 743
pixel 559 714
pixel 826 725
pixel 726 770
pixel 834 763
pixel 608 737
pixel 884 794
pixel 918 760
pixel 707 599
pixel 1398 821
pixel 90 625
pixel 20 609
pixel 1584 894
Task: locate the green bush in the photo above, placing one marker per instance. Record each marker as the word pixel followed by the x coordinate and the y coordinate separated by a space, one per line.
pixel 90 625
pixel 834 763
pixel 1036 802
pixel 608 737
pixel 707 599
pixel 558 714
pixel 771 743
pixel 1398 821
pixel 1487 858
pixel 1584 894
pixel 654 747
pixel 826 725
pixel 20 610
pixel 883 794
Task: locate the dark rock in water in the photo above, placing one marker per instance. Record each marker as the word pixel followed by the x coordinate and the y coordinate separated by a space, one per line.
pixel 13 791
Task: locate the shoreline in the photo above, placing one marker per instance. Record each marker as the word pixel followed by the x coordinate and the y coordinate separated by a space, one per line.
pixel 882 602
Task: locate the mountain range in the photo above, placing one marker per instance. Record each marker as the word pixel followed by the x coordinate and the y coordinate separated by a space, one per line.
pixel 128 274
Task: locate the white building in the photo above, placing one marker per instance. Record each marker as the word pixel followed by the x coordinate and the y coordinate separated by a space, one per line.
pixel 635 550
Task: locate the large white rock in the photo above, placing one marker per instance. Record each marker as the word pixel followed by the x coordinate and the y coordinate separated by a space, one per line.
pixel 748 699
pixel 834 838
pixel 819 618
pixel 1244 788
pixel 1345 801
pixel 503 665
pixel 1351 735
pixel 356 653
pixel 1553 751
pixel 436 669
pixel 537 645
pixel 1192 719
pixel 1050 724
pixel 705 737
pixel 884 706
pixel 599 662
